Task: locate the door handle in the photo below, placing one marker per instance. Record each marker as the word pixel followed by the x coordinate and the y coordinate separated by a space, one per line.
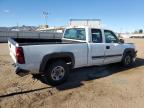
pixel 107 47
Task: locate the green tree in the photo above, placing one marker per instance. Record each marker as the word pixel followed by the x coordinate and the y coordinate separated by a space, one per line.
pixel 140 31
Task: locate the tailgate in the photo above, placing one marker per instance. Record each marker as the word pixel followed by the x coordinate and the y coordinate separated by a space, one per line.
pixel 12 48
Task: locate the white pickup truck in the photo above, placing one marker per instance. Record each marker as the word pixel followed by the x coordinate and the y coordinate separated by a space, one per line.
pixel 79 47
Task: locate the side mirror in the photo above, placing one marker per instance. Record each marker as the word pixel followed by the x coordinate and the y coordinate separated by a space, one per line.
pixel 121 41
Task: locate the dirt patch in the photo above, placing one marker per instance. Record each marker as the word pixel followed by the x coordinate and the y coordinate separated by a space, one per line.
pixel 115 87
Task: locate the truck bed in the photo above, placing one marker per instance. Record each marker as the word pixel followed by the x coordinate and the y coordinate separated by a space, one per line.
pixel 31 41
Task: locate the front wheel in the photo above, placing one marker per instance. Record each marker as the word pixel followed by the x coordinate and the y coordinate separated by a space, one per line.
pixel 128 60
pixel 56 73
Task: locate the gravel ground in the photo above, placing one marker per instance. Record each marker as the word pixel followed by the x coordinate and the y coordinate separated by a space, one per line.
pixel 111 87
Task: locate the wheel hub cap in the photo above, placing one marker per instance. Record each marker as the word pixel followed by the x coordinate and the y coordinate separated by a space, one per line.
pixel 58 73
pixel 127 60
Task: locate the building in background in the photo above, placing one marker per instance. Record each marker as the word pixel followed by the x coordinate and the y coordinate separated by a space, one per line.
pixel 4 29
pixel 131 35
pixel 50 29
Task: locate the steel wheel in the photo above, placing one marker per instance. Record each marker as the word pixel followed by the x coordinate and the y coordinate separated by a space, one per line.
pixel 127 60
pixel 58 73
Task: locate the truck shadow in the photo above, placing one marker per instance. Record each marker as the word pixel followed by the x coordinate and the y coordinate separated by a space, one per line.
pixel 77 76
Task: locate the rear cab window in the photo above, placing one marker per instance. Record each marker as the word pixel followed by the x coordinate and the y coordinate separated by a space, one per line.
pixel 75 33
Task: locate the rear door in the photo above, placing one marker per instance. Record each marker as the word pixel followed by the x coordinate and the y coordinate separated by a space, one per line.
pixel 114 49
pixel 96 47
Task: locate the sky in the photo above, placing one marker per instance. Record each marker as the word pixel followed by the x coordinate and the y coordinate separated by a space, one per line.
pixel 119 15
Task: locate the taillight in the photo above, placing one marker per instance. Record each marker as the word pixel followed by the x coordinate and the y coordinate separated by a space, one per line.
pixel 20 55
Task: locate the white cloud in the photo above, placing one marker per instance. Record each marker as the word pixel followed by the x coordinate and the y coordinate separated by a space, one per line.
pixel 6 11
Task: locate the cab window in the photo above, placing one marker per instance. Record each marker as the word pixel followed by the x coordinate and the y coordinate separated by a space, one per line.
pixel 96 35
pixel 75 33
pixel 110 37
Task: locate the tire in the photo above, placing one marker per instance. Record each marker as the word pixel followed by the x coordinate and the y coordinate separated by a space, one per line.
pixel 56 73
pixel 128 60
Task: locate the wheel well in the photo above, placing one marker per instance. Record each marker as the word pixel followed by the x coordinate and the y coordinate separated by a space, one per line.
pixel 67 60
pixel 48 59
pixel 129 52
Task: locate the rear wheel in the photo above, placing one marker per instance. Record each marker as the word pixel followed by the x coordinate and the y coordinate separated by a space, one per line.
pixel 56 73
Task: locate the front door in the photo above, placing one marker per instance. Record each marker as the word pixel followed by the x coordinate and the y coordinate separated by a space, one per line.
pixel 114 49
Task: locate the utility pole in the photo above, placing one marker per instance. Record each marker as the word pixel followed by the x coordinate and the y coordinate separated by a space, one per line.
pixel 45 14
pixel 17 25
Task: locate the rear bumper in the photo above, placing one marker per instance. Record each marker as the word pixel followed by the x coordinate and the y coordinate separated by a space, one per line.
pixel 21 72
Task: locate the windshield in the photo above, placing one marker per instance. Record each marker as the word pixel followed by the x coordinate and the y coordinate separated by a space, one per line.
pixel 75 33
